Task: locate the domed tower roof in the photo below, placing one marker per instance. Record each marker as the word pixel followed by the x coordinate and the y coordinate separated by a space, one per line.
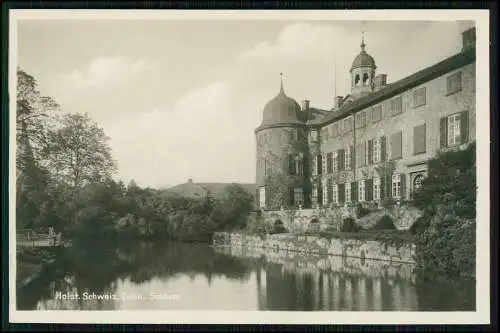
pixel 363 59
pixel 281 110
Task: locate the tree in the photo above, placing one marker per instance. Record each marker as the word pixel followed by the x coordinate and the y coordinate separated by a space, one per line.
pixel 232 207
pixel 78 151
pixel 32 179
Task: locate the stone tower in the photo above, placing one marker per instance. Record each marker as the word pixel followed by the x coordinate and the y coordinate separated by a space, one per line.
pixel 281 154
pixel 362 73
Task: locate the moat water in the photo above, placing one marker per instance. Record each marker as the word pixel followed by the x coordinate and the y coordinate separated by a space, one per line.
pixel 153 276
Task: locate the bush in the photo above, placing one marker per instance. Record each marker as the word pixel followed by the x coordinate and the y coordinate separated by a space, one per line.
pixel 445 234
pixel 361 211
pixel 349 225
pixel 384 223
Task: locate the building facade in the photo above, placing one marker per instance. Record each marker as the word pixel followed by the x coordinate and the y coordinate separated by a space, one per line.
pixel 374 143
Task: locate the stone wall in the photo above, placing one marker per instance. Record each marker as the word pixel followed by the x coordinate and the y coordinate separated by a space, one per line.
pixel 301 220
pixel 295 261
pixel 308 245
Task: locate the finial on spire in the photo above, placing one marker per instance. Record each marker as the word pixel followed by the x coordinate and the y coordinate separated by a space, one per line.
pixel 281 79
pixel 363 36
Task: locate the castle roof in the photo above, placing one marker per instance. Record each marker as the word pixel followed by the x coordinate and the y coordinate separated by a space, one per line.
pixel 282 110
pixel 449 64
pixel 363 59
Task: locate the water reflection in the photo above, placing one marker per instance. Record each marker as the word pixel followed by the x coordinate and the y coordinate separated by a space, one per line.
pixel 196 277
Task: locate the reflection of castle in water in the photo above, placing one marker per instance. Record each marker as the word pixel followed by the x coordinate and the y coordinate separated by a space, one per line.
pixel 331 283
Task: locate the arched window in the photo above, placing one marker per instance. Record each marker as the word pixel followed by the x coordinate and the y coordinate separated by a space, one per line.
pixel 417 182
pixel 365 78
pixel 356 79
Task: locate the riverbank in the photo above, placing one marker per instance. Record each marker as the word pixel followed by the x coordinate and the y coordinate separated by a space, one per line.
pixel 400 251
pixel 30 263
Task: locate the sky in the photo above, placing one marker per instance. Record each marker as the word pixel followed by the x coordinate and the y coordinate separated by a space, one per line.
pixel 181 99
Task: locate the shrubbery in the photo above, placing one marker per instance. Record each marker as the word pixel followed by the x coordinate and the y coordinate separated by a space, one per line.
pixel 445 234
pixel 384 223
pixel 349 225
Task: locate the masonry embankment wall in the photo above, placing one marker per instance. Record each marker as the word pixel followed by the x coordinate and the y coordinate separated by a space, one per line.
pixel 364 249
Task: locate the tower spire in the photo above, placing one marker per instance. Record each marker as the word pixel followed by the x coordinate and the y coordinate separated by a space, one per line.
pixel 281 80
pixel 363 37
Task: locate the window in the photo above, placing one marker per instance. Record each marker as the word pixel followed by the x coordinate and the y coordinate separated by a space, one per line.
pixel 335 130
pixel 347 159
pixel 292 168
pixel 356 79
pixel 396 186
pixel 348 192
pixel 418 181
pixel 361 190
pixel 325 195
pixel 314 135
pixel 361 154
pixel 419 97
pixel 335 194
pixel 419 139
pixel 323 165
pixel 330 191
pixel 454 83
pixel 314 195
pixel 347 124
pixel 262 197
pixel 376 189
pixel 377 114
pixel 396 106
pixel 365 78
pixel 361 120
pixel 335 161
pixel 396 145
pixel 298 195
pixel 329 162
pixel 324 134
pixel 454 129
pixel 376 150
pixel 300 166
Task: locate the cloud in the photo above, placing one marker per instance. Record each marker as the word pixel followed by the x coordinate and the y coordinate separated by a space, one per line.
pixel 104 71
pixel 207 134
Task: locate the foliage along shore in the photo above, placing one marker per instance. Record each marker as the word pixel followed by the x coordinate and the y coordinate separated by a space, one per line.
pixel 65 180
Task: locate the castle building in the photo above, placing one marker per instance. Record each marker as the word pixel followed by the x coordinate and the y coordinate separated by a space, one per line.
pixel 374 143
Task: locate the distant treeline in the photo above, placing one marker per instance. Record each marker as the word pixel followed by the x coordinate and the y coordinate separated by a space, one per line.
pixel 65 179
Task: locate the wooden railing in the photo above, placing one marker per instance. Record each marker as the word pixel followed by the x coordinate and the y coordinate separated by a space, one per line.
pixel 37 237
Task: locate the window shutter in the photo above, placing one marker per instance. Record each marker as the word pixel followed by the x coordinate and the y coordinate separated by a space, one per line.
pixel 383 149
pixel 341 159
pixel 370 151
pixel 305 164
pixel 354 191
pixel 443 130
pixel 403 185
pixel 257 197
pixel 341 193
pixel 291 196
pixel 369 189
pixel 396 145
pixel 464 127
pixel 329 162
pixel 290 165
pixel 382 188
pixel 353 158
pixel 320 164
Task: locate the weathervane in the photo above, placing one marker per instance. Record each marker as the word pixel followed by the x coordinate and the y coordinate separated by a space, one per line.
pixel 363 35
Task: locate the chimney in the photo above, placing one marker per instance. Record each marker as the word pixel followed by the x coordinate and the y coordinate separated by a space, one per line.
pixel 380 81
pixel 305 105
pixel 468 39
pixel 338 102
